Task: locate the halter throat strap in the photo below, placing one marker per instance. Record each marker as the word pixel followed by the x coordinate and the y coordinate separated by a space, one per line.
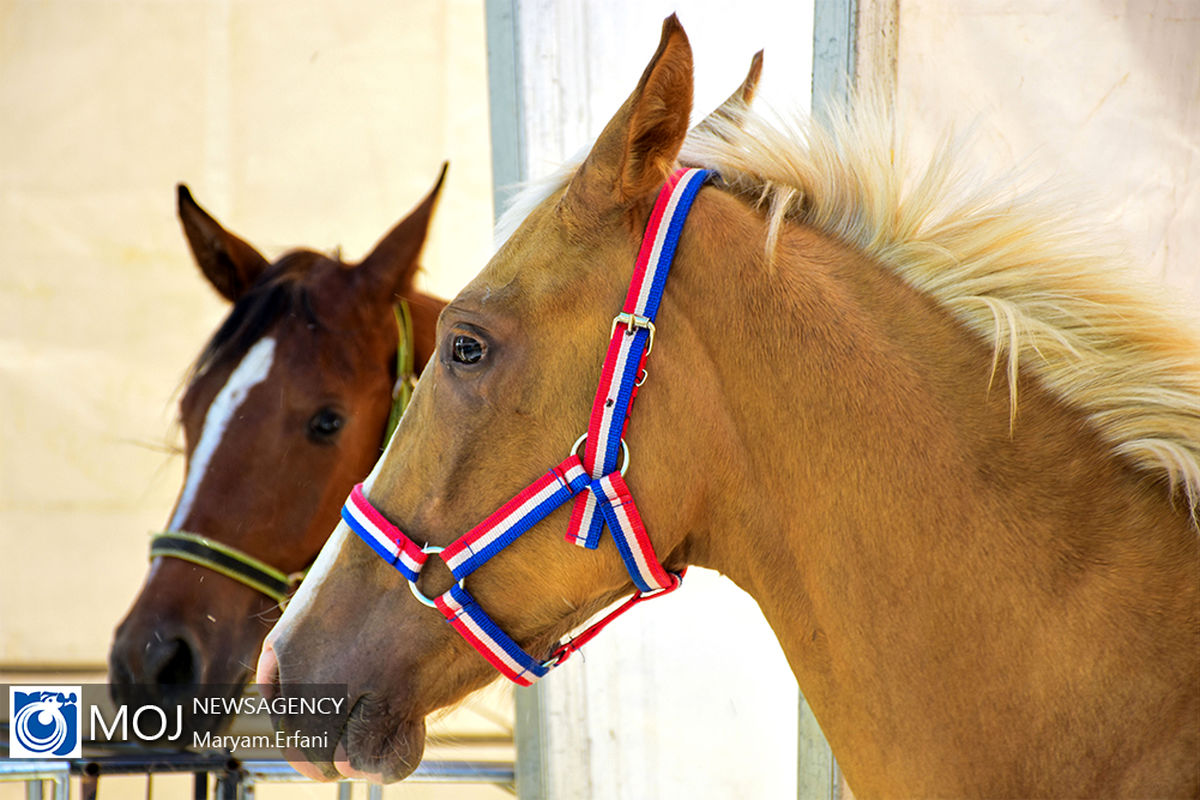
pixel 602 498
pixel 245 568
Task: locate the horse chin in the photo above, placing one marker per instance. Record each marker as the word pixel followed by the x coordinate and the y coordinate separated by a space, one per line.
pixel 379 751
pixel 369 748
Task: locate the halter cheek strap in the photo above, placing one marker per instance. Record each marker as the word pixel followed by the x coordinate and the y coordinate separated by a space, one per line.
pixel 245 568
pixel 406 372
pixel 602 498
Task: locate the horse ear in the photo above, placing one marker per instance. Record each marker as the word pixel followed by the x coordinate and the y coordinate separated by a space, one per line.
pixel 230 264
pixel 733 110
pixel 392 265
pixel 635 153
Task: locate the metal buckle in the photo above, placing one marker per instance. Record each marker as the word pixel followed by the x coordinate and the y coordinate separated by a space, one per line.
pixel 624 452
pixel 633 322
pixel 428 549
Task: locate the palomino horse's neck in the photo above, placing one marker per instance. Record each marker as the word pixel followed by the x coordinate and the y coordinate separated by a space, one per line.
pixel 970 604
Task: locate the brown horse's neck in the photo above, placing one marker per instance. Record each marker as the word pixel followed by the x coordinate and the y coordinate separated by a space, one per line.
pixel 954 590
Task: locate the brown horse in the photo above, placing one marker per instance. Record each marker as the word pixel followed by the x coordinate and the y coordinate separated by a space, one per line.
pixel 285 409
pixel 977 597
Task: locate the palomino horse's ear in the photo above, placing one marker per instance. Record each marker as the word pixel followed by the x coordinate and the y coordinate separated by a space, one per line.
pixel 230 264
pixel 634 155
pixel 392 265
pixel 734 108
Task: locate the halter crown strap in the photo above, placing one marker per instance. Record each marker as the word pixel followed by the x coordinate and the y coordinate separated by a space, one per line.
pixel 245 568
pixel 626 355
pixel 602 496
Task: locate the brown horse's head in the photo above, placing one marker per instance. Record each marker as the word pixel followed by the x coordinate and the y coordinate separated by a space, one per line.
pixel 507 392
pixel 285 410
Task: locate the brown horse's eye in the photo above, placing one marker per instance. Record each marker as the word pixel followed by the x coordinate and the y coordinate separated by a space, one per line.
pixel 467 350
pixel 325 424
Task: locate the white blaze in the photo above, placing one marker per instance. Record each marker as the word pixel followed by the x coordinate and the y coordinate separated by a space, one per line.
pixel 250 372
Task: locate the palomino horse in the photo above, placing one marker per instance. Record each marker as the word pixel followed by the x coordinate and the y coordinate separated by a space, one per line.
pixel 981 592
pixel 285 409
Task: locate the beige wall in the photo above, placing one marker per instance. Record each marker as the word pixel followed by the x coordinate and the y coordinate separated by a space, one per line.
pixel 1103 95
pixel 295 122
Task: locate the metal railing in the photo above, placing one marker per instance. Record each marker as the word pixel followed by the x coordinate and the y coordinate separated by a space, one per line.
pixel 233 779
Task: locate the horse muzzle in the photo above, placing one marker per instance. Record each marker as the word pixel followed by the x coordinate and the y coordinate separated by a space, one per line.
pixel 369 741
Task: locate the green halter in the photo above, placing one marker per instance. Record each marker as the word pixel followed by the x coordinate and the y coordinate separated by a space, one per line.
pixel 245 568
pixel 406 377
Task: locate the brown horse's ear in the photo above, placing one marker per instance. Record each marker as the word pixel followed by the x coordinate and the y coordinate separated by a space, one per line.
pixel 392 265
pixel 230 264
pixel 635 153
pixel 734 108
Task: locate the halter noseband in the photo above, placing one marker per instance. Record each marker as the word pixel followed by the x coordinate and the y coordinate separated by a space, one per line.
pixel 602 497
pixel 229 561
pixel 245 568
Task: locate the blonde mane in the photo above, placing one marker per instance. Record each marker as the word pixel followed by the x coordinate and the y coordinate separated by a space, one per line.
pixel 1011 262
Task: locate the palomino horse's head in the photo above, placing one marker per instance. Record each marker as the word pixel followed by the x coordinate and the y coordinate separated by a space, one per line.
pixel 506 394
pixel 975 601
pixel 286 408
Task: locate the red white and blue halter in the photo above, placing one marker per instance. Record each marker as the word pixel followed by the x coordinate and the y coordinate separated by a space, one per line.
pixel 601 496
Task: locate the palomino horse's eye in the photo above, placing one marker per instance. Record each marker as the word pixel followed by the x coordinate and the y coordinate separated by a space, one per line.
pixel 467 350
pixel 325 424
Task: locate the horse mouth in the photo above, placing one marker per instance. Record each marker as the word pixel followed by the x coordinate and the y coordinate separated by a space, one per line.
pixel 371 745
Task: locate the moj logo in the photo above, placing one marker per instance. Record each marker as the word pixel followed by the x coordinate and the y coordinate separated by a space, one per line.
pixel 45 721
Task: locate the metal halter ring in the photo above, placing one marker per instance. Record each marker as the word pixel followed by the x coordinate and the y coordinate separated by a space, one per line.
pixel 428 549
pixel 624 452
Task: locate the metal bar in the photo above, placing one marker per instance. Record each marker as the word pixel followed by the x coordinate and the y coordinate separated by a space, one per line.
pixel 490 772
pixel 819 776
pixel 504 100
pixel 509 169
pixel 344 788
pixel 128 763
pixel 35 772
pixel 229 785
pixel 834 34
pixel 62 786
pixel 531 766
pixel 23 770
pixel 374 791
pixel 834 71
pixel 89 784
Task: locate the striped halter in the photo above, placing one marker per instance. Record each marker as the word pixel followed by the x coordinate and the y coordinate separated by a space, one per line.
pixel 601 496
pixel 245 568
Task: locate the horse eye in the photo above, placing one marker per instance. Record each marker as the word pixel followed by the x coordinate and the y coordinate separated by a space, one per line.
pixel 325 424
pixel 467 350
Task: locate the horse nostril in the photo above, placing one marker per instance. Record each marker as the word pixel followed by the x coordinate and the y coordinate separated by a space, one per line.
pixel 118 670
pixel 267 674
pixel 176 664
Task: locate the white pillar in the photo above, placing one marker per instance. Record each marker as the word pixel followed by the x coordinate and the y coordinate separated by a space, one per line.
pixel 690 695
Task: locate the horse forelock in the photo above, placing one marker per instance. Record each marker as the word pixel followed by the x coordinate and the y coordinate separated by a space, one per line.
pixel 1005 254
pixel 280 291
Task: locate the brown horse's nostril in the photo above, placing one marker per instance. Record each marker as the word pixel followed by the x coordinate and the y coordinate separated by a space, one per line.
pixel 171 663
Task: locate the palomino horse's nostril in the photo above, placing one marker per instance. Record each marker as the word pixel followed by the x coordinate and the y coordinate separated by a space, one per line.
pixel 267 673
